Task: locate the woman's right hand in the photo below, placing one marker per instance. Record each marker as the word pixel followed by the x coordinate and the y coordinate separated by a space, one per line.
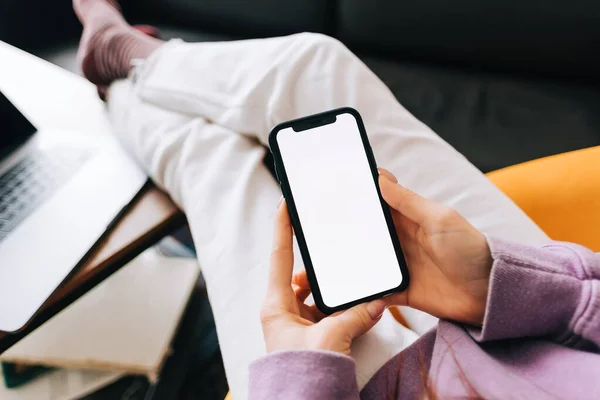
pixel 449 261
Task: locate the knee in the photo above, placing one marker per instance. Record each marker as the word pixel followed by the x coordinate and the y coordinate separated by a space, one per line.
pixel 320 40
pixel 313 43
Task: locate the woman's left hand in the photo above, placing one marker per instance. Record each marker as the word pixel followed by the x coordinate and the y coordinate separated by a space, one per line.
pixel 288 323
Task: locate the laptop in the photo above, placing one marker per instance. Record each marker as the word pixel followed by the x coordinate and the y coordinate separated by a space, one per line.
pixel 59 192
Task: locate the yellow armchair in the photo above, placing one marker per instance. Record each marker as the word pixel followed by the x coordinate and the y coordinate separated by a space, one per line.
pixel 560 193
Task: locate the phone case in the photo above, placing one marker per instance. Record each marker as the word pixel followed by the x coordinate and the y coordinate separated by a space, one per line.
pixel 308 123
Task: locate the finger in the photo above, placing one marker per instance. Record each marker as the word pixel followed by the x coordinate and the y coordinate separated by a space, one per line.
pixel 302 294
pixel 311 313
pixel 306 313
pixel 416 208
pixel 282 256
pixel 300 279
pixel 316 313
pixel 387 174
pixel 396 299
pixel 359 319
pixel 404 226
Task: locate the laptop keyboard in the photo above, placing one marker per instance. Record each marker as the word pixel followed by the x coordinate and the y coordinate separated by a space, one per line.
pixel 32 181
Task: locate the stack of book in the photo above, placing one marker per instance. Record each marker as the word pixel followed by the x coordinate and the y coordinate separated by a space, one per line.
pixel 123 326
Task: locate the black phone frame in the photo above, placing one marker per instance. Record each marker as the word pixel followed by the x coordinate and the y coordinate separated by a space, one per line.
pixel 309 122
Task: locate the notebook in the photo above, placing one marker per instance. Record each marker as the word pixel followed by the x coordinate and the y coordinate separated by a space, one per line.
pixel 123 325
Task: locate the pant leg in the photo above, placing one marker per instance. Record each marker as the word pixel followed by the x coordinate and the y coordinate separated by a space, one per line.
pixel 249 86
pixel 218 178
pixel 229 197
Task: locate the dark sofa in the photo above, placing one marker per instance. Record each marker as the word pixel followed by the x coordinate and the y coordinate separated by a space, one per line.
pixel 503 81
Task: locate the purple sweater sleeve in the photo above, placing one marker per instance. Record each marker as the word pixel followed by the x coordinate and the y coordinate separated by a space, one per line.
pixel 302 375
pixel 551 291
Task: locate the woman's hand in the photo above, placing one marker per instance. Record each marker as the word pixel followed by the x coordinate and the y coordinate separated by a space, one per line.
pixel 288 323
pixel 448 259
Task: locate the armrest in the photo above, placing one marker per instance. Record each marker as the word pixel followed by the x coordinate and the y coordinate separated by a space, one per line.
pixel 34 25
pixel 560 193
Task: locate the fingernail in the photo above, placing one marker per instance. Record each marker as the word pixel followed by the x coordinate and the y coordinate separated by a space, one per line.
pixel 376 309
pixel 280 202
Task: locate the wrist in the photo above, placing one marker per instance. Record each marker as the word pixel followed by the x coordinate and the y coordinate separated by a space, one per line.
pixel 479 286
pixel 474 312
pixel 466 300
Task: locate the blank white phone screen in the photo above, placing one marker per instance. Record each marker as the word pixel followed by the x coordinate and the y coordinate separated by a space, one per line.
pixel 339 211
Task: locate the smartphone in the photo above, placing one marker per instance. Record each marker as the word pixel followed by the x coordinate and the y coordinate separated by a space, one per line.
pixel 344 228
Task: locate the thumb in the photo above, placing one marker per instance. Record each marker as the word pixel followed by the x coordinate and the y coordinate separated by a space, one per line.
pixel 359 319
pixel 414 207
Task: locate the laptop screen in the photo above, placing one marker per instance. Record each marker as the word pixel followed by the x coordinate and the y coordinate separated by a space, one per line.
pixel 15 129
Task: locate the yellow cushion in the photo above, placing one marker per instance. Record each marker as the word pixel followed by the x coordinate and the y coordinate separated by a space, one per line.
pixel 560 193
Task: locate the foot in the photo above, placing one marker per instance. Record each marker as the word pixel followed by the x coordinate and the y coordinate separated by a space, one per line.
pixel 109 43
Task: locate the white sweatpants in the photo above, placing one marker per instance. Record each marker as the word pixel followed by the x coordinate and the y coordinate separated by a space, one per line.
pixel 197 117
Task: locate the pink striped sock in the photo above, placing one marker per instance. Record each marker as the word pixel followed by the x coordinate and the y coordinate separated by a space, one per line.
pixel 109 43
